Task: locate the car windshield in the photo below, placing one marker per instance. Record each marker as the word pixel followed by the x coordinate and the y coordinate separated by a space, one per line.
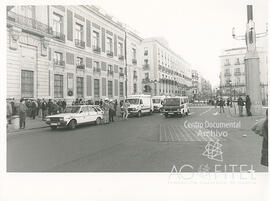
pixel 172 101
pixel 156 100
pixel 133 101
pixel 72 109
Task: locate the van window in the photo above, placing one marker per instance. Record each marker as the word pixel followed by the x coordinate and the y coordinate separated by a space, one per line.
pixel 141 102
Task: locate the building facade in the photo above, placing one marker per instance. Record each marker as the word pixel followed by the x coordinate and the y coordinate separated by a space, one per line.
pixel 232 75
pixel 164 72
pixel 68 52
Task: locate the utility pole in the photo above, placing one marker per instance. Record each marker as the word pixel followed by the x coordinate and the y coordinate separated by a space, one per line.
pixel 252 62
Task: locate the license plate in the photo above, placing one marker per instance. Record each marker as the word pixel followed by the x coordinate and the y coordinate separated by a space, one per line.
pixel 53 124
pixel 170 113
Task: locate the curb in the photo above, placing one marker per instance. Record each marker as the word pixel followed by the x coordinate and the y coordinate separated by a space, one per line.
pixel 17 131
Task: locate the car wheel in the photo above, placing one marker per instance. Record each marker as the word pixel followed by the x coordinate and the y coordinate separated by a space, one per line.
pixel 53 127
pixel 139 114
pixel 166 115
pixel 150 112
pixel 72 124
pixel 98 121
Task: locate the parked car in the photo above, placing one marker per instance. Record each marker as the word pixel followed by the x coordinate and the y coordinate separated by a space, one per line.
pixel 140 104
pixel 76 115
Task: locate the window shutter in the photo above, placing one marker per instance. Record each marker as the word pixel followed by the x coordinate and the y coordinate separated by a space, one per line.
pixel 88 33
pixel 103 39
pixel 115 68
pixel 89 85
pixel 69 25
pixel 116 87
pixel 103 86
pixel 70 58
pixel 115 45
pixel 103 66
pixel 88 62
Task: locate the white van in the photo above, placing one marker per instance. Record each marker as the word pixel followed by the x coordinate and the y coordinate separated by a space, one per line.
pixel 158 103
pixel 140 104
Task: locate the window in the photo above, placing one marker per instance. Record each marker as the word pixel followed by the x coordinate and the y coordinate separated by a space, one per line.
pixel 237 61
pixel 121 86
pixel 227 71
pixel 110 68
pixel 57 23
pixel 96 87
pixel 79 32
pixel 227 62
pixel 110 88
pixel 133 53
pixel 95 39
pixel 135 88
pixel 109 44
pixel 58 58
pixel 27 84
pixel 145 61
pixel 146 75
pixel 79 61
pixel 237 70
pixel 121 70
pixel 79 87
pixel 120 49
pixel 96 66
pixel 135 73
pixel 58 86
pixel 145 51
pixel 27 11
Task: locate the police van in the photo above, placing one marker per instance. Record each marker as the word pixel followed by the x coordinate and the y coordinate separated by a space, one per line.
pixel 177 105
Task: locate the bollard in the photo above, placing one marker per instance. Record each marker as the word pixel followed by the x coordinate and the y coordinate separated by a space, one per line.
pixel 15 121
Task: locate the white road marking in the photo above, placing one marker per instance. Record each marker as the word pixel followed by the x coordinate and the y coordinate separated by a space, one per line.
pixel 205 111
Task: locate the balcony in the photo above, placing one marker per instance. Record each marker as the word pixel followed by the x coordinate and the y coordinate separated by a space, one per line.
pixel 96 49
pixel 121 57
pixel 145 80
pixel 121 74
pixel 59 36
pixel 134 61
pixel 227 64
pixel 79 43
pixel 146 67
pixel 31 23
pixel 59 63
pixel 237 73
pixel 135 77
pixel 109 53
pixel 80 66
pixel 227 74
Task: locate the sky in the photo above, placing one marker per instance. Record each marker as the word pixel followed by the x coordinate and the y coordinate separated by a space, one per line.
pixel 196 30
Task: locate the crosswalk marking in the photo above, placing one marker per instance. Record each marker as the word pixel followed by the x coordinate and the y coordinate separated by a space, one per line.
pixel 175 133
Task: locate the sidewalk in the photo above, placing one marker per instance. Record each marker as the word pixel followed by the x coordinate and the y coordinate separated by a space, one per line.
pixel 29 125
pixel 234 112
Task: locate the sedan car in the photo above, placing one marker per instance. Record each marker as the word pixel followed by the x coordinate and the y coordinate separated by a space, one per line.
pixel 76 115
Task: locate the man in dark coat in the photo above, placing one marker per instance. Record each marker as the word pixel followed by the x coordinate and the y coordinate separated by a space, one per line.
pixel 248 105
pixel 50 106
pixel 240 104
pixel 33 109
pixel 44 109
pixel 111 111
pixel 264 158
pixel 221 105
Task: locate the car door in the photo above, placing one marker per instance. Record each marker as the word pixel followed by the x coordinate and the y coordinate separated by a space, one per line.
pixel 82 116
pixel 92 114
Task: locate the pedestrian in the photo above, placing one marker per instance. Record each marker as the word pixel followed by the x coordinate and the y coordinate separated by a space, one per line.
pixel 64 104
pixel 221 105
pixel 100 103
pixel 22 113
pixel 240 104
pixel 9 111
pixel 111 111
pixel 33 109
pixel 115 107
pixel 105 108
pixel 248 105
pixel 44 109
pixel 50 106
pixel 125 109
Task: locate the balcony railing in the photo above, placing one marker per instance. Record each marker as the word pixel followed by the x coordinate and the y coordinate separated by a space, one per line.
pixel 227 74
pixel 237 73
pixel 227 64
pixel 80 66
pixel 109 53
pixel 28 22
pixel 121 57
pixel 59 36
pixel 146 67
pixel 145 80
pixel 79 43
pixel 134 61
pixel 96 49
pixel 57 62
pixel 121 74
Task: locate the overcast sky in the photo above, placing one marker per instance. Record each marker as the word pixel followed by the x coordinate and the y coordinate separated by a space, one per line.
pixel 195 29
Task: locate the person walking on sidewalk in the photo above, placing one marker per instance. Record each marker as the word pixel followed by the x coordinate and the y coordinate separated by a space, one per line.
pixel 9 112
pixel 22 113
pixel 240 104
pixel 111 111
pixel 221 105
pixel 44 109
pixel 248 105
pixel 125 109
pixel 33 109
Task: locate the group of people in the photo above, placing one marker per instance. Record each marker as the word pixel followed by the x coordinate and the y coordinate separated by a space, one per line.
pixel 240 103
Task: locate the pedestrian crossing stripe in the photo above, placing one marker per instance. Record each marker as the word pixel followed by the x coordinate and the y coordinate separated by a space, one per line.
pixel 174 133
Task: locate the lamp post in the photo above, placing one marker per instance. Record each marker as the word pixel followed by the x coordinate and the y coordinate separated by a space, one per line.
pixel 252 72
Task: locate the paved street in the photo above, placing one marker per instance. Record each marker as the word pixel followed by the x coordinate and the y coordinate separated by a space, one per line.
pixel 147 144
